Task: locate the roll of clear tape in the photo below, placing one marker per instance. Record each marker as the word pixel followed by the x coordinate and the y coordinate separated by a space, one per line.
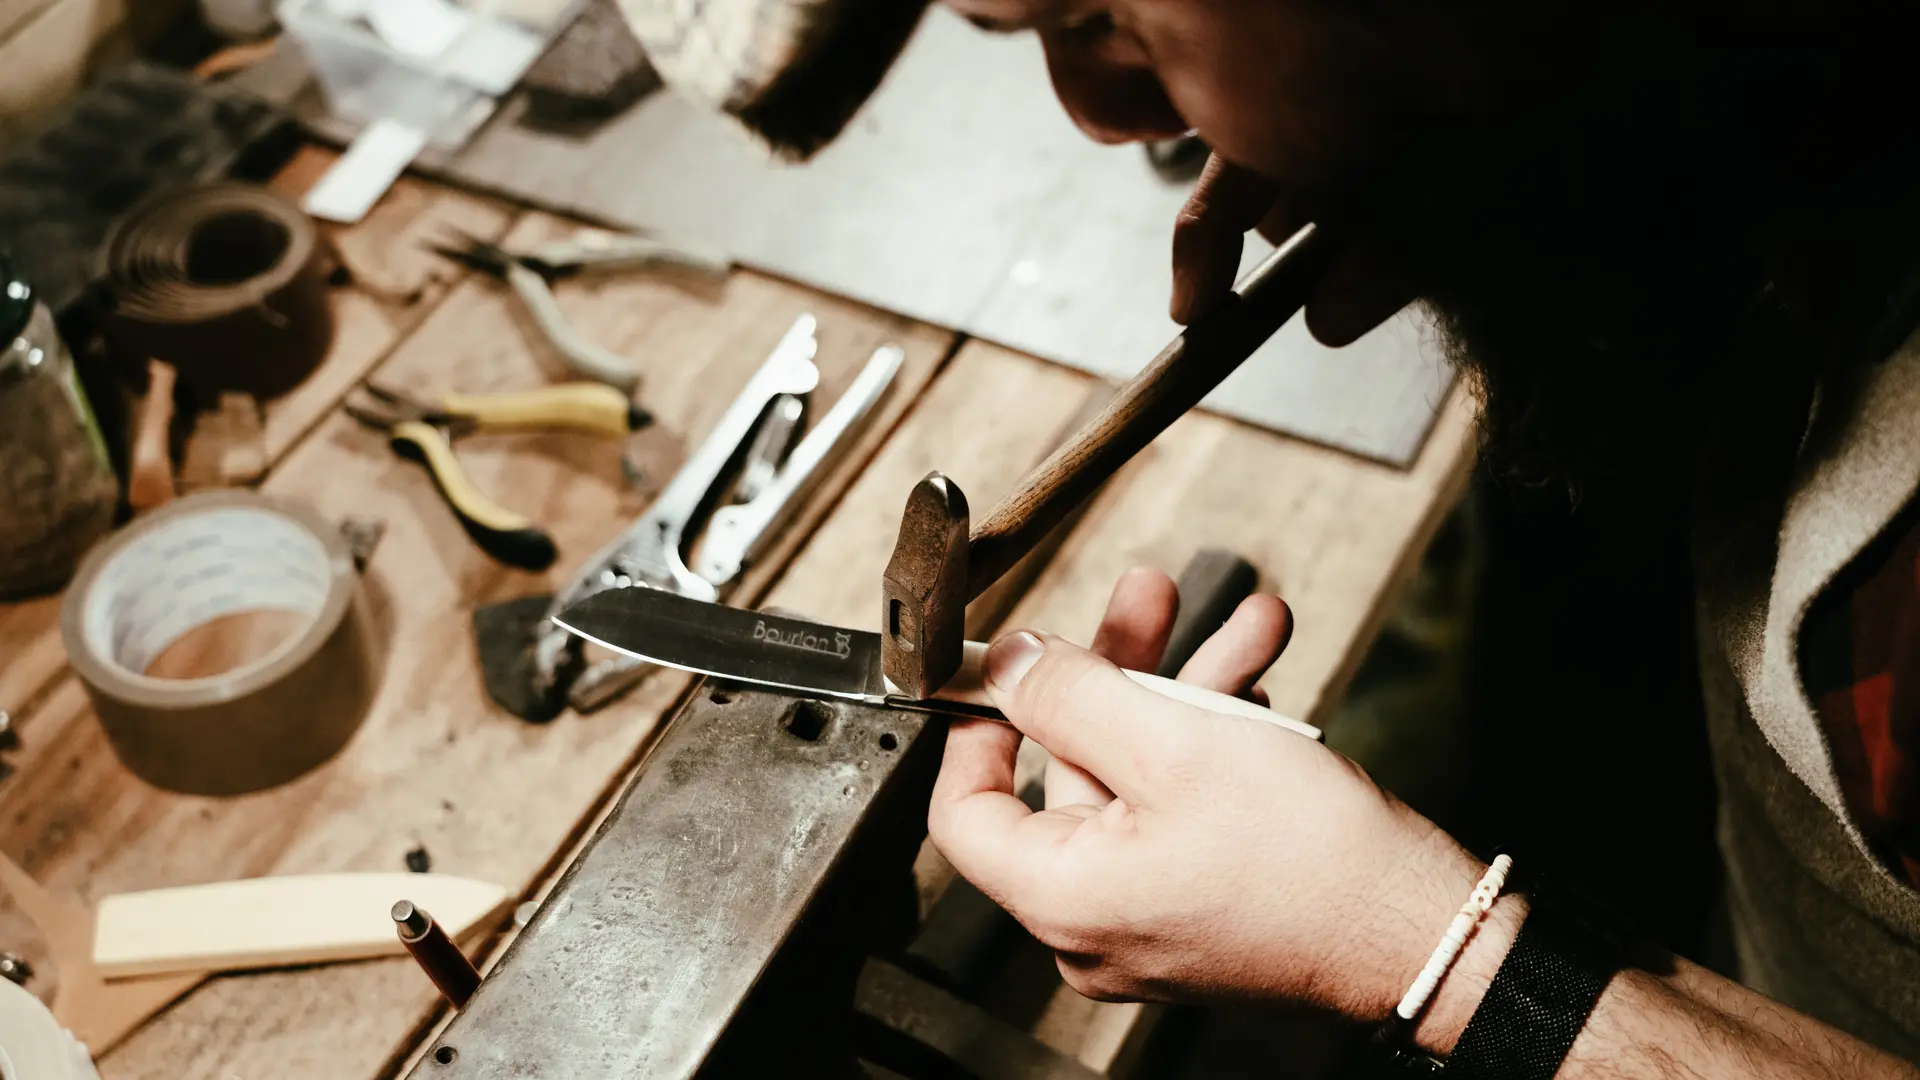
pixel 196 562
pixel 33 1045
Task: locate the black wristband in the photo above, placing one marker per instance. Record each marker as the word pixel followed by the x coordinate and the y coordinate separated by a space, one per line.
pixel 1539 1000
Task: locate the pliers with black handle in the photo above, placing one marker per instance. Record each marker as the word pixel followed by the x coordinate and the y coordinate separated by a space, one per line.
pixel 422 433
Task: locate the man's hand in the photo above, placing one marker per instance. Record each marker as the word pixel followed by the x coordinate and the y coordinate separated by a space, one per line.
pixel 1364 288
pixel 1184 853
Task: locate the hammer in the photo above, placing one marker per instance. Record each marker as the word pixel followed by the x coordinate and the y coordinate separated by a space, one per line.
pixel 938 566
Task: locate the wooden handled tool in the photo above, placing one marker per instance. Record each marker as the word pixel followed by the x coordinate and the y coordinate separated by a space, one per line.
pixel 594 408
pixel 937 566
pixel 509 537
pixel 150 459
pixel 582 406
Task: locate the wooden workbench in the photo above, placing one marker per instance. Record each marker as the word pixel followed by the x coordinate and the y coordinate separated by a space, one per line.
pixel 437 765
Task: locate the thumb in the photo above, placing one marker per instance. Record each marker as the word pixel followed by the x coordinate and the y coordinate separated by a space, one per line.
pixel 1082 708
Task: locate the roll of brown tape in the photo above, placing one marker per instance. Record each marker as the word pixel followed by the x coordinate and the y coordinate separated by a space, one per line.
pixel 264 589
pixel 226 282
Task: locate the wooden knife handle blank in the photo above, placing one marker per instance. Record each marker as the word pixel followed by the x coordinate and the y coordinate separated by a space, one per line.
pixel 150 461
pixel 1186 371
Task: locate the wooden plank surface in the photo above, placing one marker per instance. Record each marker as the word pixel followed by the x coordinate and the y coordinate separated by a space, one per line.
pixel 396 282
pixel 47 58
pixel 407 282
pixel 435 763
pixel 491 797
pixel 30 656
pixel 15 13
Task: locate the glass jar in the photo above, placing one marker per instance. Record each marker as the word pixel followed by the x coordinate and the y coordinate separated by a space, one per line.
pixel 58 491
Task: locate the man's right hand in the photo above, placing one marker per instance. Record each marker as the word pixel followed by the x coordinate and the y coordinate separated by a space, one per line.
pixel 1185 853
pixel 1193 855
pixel 1363 289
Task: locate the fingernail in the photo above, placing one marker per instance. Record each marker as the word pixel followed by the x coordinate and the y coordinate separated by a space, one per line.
pixel 1182 301
pixel 1010 658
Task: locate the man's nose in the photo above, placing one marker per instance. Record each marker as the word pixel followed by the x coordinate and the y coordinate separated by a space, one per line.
pixel 1112 102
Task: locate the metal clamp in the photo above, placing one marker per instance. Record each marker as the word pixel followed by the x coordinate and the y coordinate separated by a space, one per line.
pixel 736 535
pixel 771 443
pixel 649 551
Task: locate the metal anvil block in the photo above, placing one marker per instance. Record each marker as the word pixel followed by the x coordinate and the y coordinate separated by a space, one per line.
pixel 717 923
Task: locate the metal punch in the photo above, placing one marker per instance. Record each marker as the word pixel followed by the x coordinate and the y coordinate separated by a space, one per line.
pixel 530 275
pixel 651 551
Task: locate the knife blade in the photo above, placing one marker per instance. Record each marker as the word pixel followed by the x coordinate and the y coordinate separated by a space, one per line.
pixel 813 658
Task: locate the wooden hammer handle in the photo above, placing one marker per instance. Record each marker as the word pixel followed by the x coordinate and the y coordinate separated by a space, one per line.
pixel 1187 370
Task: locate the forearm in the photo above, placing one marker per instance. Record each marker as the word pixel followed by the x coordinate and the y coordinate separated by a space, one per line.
pixel 1693 1023
pixel 1666 1019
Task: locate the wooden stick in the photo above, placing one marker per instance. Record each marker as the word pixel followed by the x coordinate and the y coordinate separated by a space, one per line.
pixel 275 921
pixel 1186 371
pixel 991 608
pixel 150 461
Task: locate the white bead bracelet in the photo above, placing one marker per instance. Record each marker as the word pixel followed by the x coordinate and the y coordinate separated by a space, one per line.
pixel 1471 914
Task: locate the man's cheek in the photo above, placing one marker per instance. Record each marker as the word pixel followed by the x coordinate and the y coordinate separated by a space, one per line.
pixel 1111 104
pixel 1252 127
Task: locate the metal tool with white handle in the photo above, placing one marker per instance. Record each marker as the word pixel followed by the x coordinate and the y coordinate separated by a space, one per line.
pixel 594 250
pixel 793 654
pixel 531 273
pixel 579 353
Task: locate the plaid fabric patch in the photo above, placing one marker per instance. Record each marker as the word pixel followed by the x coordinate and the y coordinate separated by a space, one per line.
pixel 1860 661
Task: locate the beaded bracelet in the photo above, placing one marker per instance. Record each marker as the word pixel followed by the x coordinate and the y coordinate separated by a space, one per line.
pixel 1464 923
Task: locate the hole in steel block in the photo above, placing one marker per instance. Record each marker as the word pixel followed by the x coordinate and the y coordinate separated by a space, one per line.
pixel 807 719
pixel 888 742
pixel 445 1055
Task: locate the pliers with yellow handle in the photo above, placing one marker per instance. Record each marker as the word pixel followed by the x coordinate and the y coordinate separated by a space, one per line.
pixel 422 432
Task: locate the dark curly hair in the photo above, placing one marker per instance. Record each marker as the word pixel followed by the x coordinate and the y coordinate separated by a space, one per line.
pixel 1592 252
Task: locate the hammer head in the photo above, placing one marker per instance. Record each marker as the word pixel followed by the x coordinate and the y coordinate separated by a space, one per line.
pixel 923 627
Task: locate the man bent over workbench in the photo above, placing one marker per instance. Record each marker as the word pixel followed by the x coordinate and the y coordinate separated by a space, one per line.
pixel 1673 239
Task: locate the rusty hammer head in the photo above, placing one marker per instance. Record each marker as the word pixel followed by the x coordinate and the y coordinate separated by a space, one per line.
pixel 923 627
